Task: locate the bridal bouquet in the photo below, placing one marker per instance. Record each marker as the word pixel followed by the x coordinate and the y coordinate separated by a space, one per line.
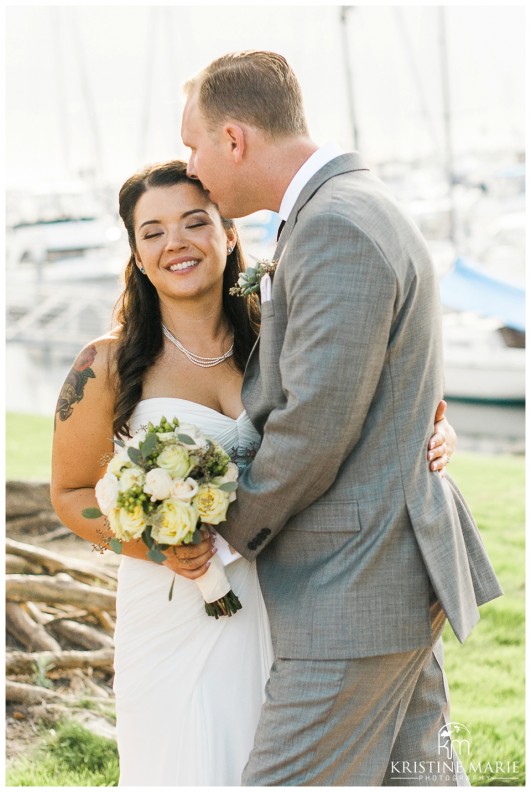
pixel 161 486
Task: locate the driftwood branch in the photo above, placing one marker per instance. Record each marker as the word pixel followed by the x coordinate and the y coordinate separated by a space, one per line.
pixel 16 565
pixel 22 693
pixel 20 663
pixel 77 634
pixel 42 588
pixel 28 632
pixel 53 563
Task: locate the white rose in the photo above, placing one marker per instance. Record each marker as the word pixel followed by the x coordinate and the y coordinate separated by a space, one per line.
pixel 230 476
pixel 107 492
pixel 127 525
pixel 176 460
pixel 158 484
pixel 175 522
pixel 212 504
pixel 131 477
pixel 195 434
pixel 184 490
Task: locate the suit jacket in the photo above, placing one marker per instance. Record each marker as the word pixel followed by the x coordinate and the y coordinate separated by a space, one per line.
pixel 352 531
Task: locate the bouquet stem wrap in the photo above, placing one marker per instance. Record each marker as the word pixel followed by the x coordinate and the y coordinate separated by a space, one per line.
pixel 214 584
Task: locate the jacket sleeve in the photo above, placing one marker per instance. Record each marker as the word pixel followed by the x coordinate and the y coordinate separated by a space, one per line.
pixel 341 294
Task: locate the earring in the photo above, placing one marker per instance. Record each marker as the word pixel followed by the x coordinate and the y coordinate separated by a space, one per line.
pixel 229 250
pixel 142 270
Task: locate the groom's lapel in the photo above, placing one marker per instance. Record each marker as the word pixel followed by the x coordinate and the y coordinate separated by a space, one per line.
pixel 343 164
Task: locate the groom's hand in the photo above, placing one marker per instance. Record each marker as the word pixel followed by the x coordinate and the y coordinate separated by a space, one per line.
pixel 191 561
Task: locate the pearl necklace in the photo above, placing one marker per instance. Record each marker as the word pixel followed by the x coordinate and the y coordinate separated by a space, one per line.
pixel 197 360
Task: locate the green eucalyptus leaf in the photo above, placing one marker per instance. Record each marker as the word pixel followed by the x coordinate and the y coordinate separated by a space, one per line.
pixel 156 555
pixel 135 456
pixel 148 446
pixel 119 442
pixel 228 486
pixel 146 537
pixel 116 546
pixel 186 439
pixel 92 513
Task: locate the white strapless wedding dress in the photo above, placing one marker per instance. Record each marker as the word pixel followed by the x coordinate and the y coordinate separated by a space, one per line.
pixel 189 688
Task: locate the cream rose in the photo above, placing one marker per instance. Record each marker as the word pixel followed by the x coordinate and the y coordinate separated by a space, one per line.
pixel 158 484
pixel 191 431
pixel 175 522
pixel 212 504
pixel 184 490
pixel 127 525
pixel 230 476
pixel 107 490
pixel 131 477
pixel 176 460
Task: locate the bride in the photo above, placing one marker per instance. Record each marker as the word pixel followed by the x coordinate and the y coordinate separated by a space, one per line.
pixel 188 688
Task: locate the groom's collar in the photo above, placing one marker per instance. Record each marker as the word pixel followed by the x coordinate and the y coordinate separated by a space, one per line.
pixel 314 163
pixel 344 163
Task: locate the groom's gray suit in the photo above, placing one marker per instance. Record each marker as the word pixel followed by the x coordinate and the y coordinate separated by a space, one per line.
pixel 359 545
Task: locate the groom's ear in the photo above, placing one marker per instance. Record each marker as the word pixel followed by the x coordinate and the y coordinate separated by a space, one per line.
pixel 235 137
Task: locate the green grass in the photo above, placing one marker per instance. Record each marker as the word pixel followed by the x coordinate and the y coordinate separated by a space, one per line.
pixel 28 447
pixel 486 673
pixel 73 756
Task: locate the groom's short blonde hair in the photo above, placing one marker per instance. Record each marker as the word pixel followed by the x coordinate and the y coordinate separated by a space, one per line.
pixel 256 87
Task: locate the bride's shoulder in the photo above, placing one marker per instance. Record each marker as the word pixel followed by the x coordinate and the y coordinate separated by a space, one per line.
pixel 99 354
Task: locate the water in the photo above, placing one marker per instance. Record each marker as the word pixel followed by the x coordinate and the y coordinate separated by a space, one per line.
pixel 34 378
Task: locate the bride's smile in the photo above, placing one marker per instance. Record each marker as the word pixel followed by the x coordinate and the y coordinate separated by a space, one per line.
pixel 180 241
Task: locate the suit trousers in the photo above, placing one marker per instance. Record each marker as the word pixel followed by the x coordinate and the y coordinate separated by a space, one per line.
pixel 373 721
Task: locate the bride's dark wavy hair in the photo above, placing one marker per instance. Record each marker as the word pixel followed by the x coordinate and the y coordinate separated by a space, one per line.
pixel 140 340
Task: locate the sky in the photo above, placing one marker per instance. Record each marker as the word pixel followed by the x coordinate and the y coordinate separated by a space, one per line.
pixel 93 88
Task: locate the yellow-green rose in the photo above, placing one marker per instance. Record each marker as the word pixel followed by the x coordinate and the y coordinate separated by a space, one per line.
pixel 212 504
pixel 119 461
pixel 127 525
pixel 175 522
pixel 176 460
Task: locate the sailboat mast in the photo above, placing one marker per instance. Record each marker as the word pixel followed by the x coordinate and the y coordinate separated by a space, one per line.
pixel 447 121
pixel 348 75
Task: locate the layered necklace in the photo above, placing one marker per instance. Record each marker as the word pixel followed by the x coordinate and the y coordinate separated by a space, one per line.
pixel 197 360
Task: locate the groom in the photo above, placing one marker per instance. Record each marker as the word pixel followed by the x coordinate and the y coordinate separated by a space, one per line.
pixel 362 553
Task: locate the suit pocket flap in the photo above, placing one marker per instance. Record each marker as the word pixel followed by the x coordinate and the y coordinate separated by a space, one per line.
pixel 327 517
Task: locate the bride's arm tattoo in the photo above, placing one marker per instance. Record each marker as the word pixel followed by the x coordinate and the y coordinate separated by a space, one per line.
pixel 74 385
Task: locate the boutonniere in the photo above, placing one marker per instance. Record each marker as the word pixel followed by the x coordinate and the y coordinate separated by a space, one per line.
pixel 249 281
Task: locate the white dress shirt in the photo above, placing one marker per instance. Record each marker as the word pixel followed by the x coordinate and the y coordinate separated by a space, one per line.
pixel 314 163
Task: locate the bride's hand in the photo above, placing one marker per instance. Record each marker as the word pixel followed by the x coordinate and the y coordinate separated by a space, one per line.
pixel 443 442
pixel 191 561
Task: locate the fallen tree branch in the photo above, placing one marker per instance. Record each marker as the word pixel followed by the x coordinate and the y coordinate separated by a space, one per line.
pixel 42 588
pixel 53 563
pixel 16 565
pixel 28 632
pixel 82 635
pixel 19 663
pixel 22 693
